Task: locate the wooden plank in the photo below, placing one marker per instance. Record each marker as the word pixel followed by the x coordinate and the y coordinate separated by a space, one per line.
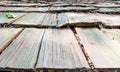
pixel 50 20
pixel 6 36
pixel 103 52
pixel 30 19
pixel 21 5
pixel 2 14
pixel 5 20
pixel 62 20
pixel 72 9
pixel 113 34
pixel 37 9
pixel 60 50
pixel 107 6
pixel 109 10
pixel 82 19
pixel 12 9
pixel 109 20
pixel 22 52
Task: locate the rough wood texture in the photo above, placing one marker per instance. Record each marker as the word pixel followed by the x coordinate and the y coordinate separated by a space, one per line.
pixel 12 9
pixel 22 52
pixel 82 19
pixel 113 34
pixel 104 53
pixel 5 20
pixel 50 20
pixel 62 19
pixel 72 9
pixel 6 36
pixel 60 50
pixel 109 10
pixel 32 19
pixel 109 20
pixel 37 9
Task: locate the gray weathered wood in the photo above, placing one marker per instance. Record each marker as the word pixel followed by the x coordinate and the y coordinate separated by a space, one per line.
pixel 6 36
pixel 82 19
pixel 30 19
pixel 22 52
pixel 113 34
pixel 5 20
pixel 60 50
pixel 50 20
pixel 103 52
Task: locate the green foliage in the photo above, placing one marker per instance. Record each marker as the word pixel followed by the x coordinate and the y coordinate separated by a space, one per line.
pixel 10 15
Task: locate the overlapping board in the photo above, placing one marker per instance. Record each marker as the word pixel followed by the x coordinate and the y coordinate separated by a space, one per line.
pixel 12 9
pixel 103 52
pixel 6 36
pixel 113 34
pixel 50 20
pixel 62 20
pixel 72 9
pixel 60 50
pixel 22 52
pixel 5 20
pixel 30 19
pixel 109 10
pixel 37 9
pixel 82 19
pixel 109 20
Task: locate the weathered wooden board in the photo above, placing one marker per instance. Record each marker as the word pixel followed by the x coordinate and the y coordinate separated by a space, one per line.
pixel 62 19
pixel 6 36
pixel 109 10
pixel 30 19
pixel 37 9
pixel 109 20
pixel 5 20
pixel 22 52
pixel 60 50
pixel 12 9
pixel 72 9
pixel 2 14
pixel 107 6
pixel 61 5
pixel 106 19
pixel 26 5
pixel 113 34
pixel 21 5
pixel 103 52
pixel 82 19
pixel 49 20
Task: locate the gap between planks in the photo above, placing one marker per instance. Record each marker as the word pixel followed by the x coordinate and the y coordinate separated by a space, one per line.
pixel 34 68
pixel 11 40
pixel 90 63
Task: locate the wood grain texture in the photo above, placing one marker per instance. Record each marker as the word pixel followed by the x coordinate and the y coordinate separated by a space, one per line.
pixel 6 36
pixel 113 34
pixel 60 50
pixel 50 20
pixel 30 19
pixel 103 52
pixel 5 20
pixel 82 19
pixel 22 52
